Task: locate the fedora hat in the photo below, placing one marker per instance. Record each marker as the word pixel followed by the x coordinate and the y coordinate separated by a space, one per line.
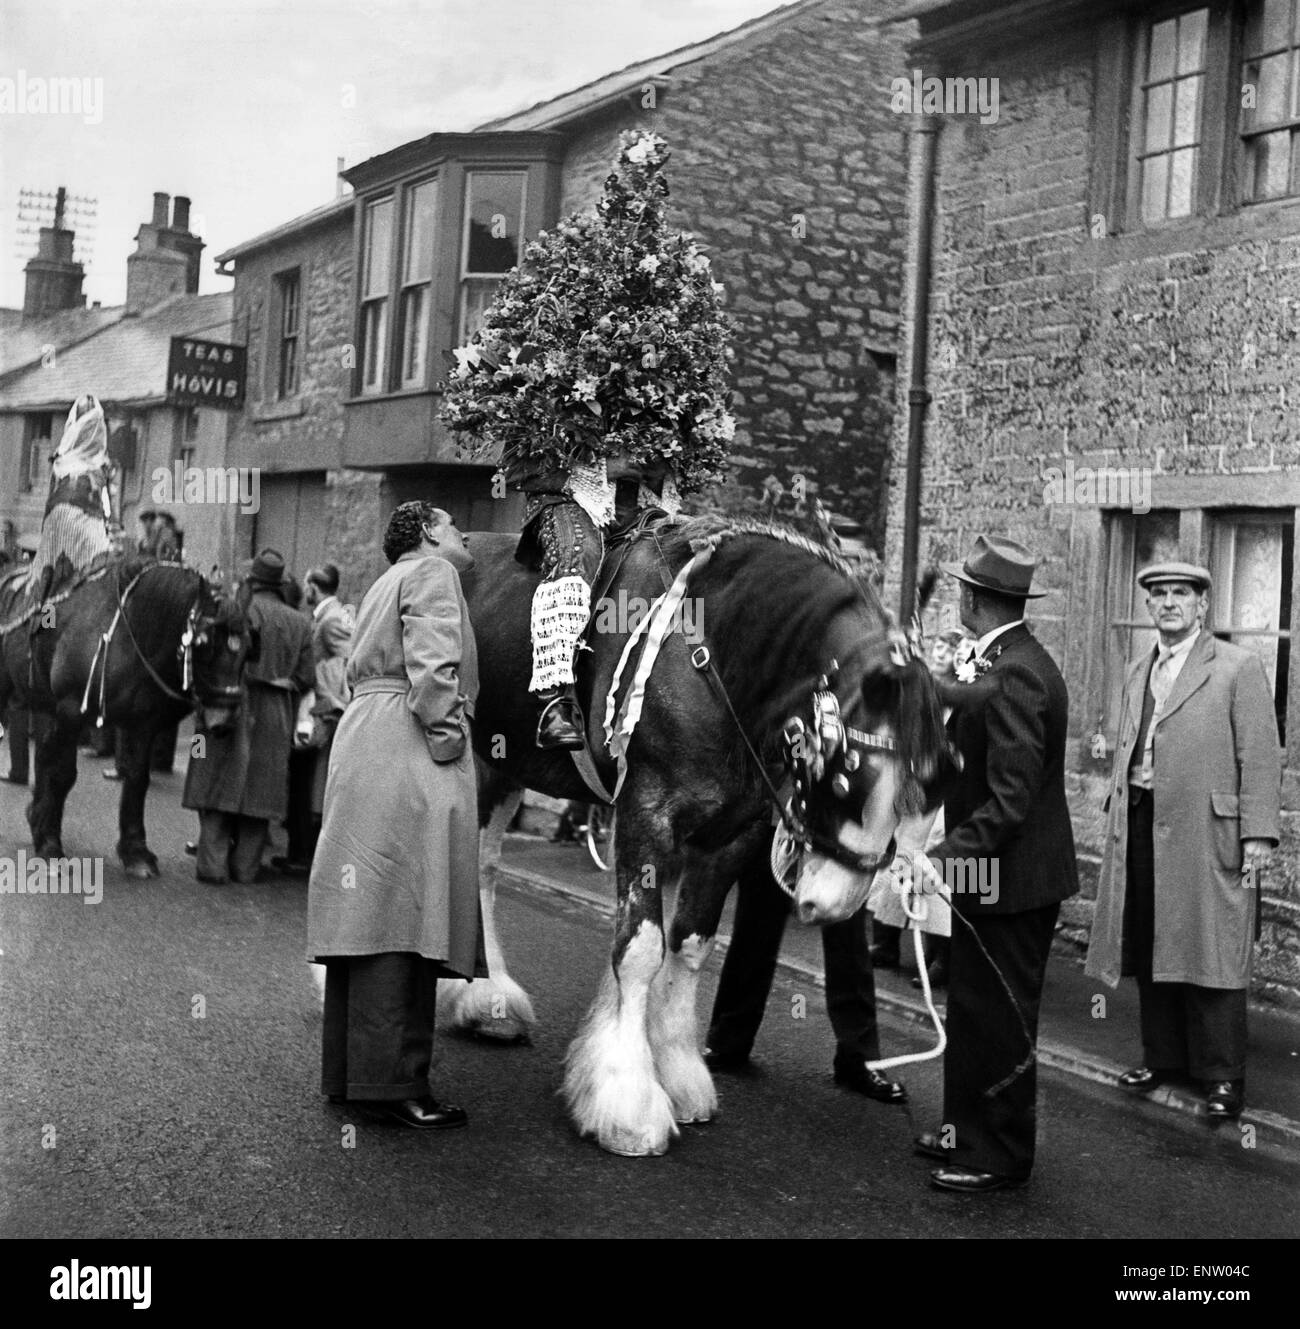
pixel 1160 572
pixel 1000 565
pixel 267 568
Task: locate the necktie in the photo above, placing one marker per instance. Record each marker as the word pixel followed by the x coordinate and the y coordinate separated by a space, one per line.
pixel 1162 680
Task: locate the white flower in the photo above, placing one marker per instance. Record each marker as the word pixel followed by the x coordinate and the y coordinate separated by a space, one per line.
pixel 640 150
pixel 965 671
pixel 585 389
pixel 697 263
pixel 466 358
pixel 649 264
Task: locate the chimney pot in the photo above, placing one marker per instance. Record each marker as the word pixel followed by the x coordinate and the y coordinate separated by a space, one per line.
pixel 160 202
pixel 181 213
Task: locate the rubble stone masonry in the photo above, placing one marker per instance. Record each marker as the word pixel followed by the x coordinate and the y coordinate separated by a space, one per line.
pixel 1057 333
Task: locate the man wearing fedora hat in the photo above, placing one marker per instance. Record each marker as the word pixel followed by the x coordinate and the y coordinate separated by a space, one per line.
pixel 1193 816
pixel 238 782
pixel 1005 810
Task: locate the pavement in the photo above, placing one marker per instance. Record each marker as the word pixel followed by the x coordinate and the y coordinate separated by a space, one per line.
pixel 1086 1029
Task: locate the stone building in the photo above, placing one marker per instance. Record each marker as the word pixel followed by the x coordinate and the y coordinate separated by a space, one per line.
pixel 55 349
pixel 1112 342
pixel 788 164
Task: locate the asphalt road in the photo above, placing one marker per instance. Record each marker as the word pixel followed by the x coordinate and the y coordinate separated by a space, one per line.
pixel 165 1124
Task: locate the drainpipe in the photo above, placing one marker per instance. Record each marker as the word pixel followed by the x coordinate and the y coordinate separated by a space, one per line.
pixel 925 140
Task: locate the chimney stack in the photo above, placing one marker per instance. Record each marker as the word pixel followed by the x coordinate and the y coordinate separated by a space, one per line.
pixel 166 258
pixel 53 277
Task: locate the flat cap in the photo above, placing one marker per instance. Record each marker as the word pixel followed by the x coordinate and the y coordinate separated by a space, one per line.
pixel 1188 572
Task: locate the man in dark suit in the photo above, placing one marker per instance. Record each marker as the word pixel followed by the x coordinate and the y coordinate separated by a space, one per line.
pixel 762 911
pixel 1008 830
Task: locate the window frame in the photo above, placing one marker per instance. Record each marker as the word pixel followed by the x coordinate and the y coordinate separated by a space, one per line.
pixel 404 379
pixel 465 279
pixel 282 282
pixel 27 478
pixel 384 300
pixel 1242 133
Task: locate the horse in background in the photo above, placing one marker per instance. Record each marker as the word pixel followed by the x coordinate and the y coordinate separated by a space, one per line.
pixel 797 677
pixel 136 644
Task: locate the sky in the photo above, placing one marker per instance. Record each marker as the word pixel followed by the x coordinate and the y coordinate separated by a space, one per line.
pixel 245 106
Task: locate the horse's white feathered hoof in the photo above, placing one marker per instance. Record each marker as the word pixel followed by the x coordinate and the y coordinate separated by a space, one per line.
pixel 495 1008
pixel 613 1095
pixel 689 1085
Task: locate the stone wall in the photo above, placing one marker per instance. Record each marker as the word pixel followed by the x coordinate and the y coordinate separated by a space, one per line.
pixel 789 165
pixel 1173 351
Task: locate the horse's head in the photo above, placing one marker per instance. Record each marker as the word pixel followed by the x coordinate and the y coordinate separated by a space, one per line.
pixel 213 651
pixel 868 750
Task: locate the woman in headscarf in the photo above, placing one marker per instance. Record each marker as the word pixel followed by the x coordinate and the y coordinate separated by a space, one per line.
pixel 393 899
pixel 75 530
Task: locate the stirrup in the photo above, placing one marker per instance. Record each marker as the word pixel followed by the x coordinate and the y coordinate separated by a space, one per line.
pixel 560 723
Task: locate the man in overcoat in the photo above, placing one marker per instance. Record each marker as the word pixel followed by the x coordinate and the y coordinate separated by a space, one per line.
pixel 1006 814
pixel 239 782
pixel 1192 818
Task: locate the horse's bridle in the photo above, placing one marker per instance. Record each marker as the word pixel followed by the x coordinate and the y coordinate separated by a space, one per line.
pixel 184 653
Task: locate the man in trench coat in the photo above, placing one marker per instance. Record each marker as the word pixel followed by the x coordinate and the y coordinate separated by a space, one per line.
pixel 239 782
pixel 1192 818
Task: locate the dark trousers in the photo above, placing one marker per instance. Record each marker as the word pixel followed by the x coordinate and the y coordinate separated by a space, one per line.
pixel 1186 1029
pixel 230 846
pixel 377 1041
pixel 988 1100
pixel 17 734
pixel 762 911
pixel 303 828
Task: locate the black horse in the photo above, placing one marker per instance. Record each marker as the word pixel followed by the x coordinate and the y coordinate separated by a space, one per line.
pixel 791 675
pixel 173 643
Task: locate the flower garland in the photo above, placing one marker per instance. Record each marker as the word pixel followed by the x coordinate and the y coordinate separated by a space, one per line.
pixel 608 339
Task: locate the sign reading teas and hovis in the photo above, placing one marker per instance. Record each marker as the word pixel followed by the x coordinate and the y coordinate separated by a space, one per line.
pixel 206 373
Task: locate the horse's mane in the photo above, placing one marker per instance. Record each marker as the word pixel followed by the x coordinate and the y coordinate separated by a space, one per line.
pixel 769 594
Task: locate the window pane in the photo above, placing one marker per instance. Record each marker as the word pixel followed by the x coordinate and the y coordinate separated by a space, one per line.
pixel 1191 41
pixel 1159 106
pixel 418 231
pixel 1155 187
pixel 1250 559
pixel 1273 90
pixel 1268 26
pixel 476 297
pixel 1160 61
pixel 379 245
pixel 494 220
pixel 1187 114
pixel 414 338
pixel 373 328
pixel 1182 172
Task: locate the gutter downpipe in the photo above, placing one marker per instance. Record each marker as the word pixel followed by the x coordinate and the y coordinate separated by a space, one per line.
pixel 925 139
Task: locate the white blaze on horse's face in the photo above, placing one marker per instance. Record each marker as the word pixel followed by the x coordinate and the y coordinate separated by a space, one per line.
pixel 829 892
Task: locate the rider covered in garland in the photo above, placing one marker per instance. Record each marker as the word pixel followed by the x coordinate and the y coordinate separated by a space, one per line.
pixel 599 374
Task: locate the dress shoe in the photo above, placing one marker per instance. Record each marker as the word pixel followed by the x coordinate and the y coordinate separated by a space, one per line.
pixel 288 867
pixel 884 957
pixel 863 1080
pixel 212 881
pixel 727 1061
pixel 970 1182
pixel 1224 1100
pixel 927 1146
pixel 1142 1080
pixel 423 1114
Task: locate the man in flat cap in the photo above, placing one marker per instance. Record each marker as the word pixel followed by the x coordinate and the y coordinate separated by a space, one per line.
pixel 1006 814
pixel 240 781
pixel 1193 816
